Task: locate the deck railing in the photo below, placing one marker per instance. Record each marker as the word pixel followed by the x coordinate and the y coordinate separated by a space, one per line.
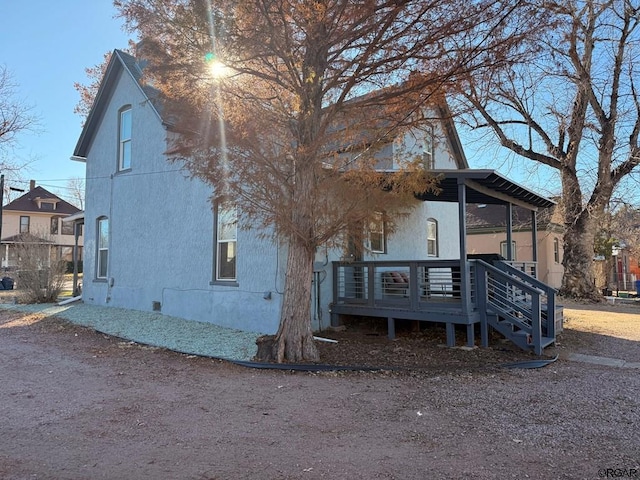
pixel 530 268
pixel 412 285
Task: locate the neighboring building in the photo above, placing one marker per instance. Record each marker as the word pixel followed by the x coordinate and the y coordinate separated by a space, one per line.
pixel 38 214
pixel 486 233
pixel 156 242
pixel 625 269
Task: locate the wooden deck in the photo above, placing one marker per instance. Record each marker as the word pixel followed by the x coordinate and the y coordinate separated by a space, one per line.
pixel 450 292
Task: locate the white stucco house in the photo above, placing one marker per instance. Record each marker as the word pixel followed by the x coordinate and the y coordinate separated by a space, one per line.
pixel 153 241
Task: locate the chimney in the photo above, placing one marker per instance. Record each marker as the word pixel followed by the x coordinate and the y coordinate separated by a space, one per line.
pixel 32 184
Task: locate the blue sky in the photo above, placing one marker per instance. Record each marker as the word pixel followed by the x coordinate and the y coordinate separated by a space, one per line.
pixel 46 46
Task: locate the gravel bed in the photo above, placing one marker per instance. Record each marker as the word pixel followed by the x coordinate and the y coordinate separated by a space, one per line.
pixel 150 328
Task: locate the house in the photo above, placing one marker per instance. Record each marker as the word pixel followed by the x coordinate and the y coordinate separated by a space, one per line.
pixel 156 242
pixel 487 233
pixel 38 214
pixel 624 269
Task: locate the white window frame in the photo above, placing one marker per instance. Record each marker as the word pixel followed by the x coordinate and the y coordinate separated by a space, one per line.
pixel 503 250
pixel 377 228
pixel 427 149
pixel 226 235
pixel 556 250
pixel 432 237
pixel 124 138
pixel 102 248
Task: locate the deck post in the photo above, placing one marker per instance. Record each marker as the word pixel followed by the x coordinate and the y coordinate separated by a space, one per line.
pixel 481 299
pixel 414 294
pixel 471 340
pixel 465 274
pixel 451 334
pixel 391 328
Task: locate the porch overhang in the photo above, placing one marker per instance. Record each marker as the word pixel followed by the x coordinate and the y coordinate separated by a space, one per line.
pixel 483 187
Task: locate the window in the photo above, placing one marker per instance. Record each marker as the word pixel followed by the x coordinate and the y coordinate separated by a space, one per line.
pixel 47 206
pixel 377 236
pixel 54 225
pixel 432 237
pixel 427 150
pixel 226 218
pixel 503 250
pixel 24 224
pixel 67 228
pixel 124 147
pixel 103 247
pixel 556 250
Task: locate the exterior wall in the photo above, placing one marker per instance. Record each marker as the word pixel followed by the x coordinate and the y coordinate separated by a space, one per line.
pixel 40 226
pixel 412 147
pixel 408 242
pixel 549 271
pixel 161 242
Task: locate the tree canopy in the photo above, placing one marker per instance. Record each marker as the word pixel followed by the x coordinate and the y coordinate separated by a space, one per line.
pixel 572 104
pixel 313 91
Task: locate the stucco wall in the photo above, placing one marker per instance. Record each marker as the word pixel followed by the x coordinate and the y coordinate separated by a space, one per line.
pixel 408 242
pixel 549 271
pixel 161 232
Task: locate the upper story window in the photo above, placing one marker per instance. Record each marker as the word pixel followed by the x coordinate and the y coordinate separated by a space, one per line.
pixel 67 228
pixel 432 237
pixel 55 222
pixel 556 250
pixel 427 149
pixel 24 224
pixel 377 241
pixel 226 224
pixel 124 139
pixel 102 254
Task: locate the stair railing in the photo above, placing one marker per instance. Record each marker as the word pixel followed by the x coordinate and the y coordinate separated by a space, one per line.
pixel 548 299
pixel 513 300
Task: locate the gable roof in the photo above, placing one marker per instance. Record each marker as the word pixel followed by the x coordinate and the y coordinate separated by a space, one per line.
pixel 120 62
pixel 29 203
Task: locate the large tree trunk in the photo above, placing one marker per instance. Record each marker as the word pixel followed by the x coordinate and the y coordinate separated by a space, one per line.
pixel 578 281
pixel 294 340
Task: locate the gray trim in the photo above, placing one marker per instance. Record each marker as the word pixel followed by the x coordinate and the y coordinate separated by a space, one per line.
pixel 223 283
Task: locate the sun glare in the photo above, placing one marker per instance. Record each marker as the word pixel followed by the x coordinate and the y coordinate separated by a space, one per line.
pixel 218 69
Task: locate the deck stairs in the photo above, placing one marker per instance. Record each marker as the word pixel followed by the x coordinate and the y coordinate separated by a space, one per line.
pixel 517 305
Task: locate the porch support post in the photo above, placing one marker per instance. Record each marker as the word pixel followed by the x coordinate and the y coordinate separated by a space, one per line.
pixel 534 242
pixel 76 235
pixel 509 232
pixel 465 287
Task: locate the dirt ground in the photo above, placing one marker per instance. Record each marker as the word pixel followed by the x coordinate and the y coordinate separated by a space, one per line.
pixel 77 404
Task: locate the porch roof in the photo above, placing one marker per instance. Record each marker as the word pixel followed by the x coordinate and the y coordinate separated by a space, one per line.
pixel 484 186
